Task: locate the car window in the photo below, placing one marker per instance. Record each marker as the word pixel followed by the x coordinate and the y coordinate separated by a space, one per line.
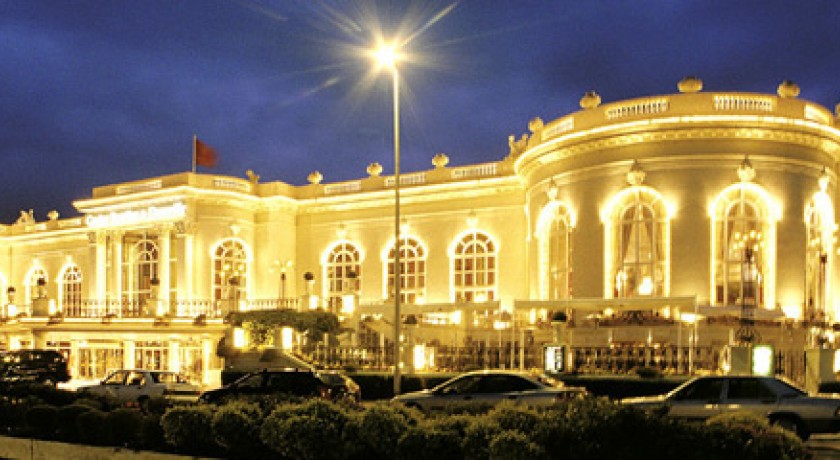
pixel 168 377
pixel 747 388
pixel 136 378
pixel 251 381
pixel 702 389
pixel 460 385
pixel 503 384
pixel 117 378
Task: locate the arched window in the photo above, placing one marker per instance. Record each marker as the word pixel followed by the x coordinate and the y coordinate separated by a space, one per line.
pixel 230 272
pixel 412 271
pixel 638 234
pixel 744 239
pixel 474 268
pixel 343 274
pixel 36 284
pixel 71 289
pixel 554 230
pixel 142 269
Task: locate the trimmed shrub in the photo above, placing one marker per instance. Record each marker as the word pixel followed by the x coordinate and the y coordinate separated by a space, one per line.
pixel 151 433
pixel 477 437
pixel 310 430
pixel 66 429
pixel 376 431
pixel 189 429
pixel 237 427
pixel 125 427
pixel 41 421
pixel 511 417
pixel 513 445
pixel 428 441
pixel 745 435
pixel 93 428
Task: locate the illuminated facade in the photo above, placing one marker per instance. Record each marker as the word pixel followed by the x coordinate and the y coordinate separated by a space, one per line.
pixel 653 224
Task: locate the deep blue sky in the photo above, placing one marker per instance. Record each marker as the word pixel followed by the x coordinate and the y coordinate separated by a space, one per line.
pixel 104 91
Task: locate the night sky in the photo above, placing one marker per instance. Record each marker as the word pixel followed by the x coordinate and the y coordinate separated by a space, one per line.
pixel 101 92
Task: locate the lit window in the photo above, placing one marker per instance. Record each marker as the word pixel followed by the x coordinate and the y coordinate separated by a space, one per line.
pixel 142 268
pixel 412 271
pixel 819 225
pixel 71 291
pixel 742 233
pixel 230 272
pixel 556 254
pixel 343 274
pixel 474 268
pixel 638 243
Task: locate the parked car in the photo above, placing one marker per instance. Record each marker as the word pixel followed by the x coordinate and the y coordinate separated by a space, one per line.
pixel 26 366
pixel 783 403
pixel 488 388
pixel 297 382
pixel 140 385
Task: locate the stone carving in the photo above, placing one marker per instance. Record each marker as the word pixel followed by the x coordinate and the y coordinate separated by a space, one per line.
pixel 690 84
pixel 252 176
pixel 440 160
pixel 315 177
pixel 26 218
pixel 590 100
pixel 374 169
pixel 517 146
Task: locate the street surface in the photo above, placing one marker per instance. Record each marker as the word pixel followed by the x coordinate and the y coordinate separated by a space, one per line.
pixel 824 446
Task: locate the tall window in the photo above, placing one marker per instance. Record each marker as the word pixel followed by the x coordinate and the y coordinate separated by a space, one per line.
pixel 554 229
pixel 412 271
pixel 142 269
pixel 743 234
pixel 474 268
pixel 343 272
pixel 639 239
pixel 71 289
pixel 230 271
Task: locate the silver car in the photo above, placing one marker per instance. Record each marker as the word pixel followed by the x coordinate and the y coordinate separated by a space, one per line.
pixel 138 386
pixel 488 388
pixel 781 402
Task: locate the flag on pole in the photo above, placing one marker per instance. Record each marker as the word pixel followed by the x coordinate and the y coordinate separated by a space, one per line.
pixel 203 154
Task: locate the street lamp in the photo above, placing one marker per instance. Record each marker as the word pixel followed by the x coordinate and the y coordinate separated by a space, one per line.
pixel 750 243
pixel 387 56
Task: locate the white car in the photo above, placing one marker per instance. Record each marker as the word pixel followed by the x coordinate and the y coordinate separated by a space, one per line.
pixel 138 386
pixel 781 402
pixel 488 388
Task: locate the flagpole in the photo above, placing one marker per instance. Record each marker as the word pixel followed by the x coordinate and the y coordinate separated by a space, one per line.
pixel 195 142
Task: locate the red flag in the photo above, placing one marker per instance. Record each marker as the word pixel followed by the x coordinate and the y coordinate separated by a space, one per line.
pixel 205 155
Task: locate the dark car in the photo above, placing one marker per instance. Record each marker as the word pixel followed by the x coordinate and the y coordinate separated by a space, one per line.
pixel 333 386
pixel 33 366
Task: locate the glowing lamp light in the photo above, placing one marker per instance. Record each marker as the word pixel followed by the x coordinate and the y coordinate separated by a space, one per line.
pixel 456 317
pixel 286 338
pixel 386 56
pixel 836 361
pixel 420 356
pixel 762 360
pixel 482 297
pixel 313 302
pixel 646 288
pixel 52 307
pixel 690 318
pixel 11 310
pixel 239 340
pixel 160 308
pixel 793 312
pixel 348 304
pixel 14 343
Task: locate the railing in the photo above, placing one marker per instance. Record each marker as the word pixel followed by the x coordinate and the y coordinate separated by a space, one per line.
pixel 407 179
pixel 750 103
pixel 343 187
pixel 635 108
pixel 468 172
pixel 136 308
pixel 565 125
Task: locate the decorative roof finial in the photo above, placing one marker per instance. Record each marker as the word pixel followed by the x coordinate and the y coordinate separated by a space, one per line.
pixel 690 84
pixel 590 100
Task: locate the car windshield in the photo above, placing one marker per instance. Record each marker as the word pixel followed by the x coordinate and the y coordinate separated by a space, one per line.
pixel 332 379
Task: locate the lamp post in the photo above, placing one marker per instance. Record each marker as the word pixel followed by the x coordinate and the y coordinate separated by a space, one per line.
pixel 387 56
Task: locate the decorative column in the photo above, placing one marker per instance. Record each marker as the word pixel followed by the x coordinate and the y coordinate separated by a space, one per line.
pixel 164 263
pixel 115 293
pixel 100 241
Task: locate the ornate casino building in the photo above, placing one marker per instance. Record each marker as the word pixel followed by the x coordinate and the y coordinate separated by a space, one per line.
pixel 648 232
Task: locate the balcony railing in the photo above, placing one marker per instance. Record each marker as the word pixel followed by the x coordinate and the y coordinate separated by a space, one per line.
pixel 136 308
